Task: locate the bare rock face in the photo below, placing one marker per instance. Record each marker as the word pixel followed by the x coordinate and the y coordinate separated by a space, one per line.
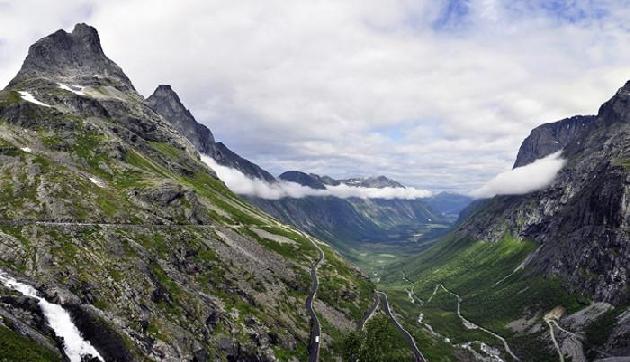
pixel 551 137
pixel 309 180
pixel 581 219
pixel 226 157
pixel 165 102
pixel 75 58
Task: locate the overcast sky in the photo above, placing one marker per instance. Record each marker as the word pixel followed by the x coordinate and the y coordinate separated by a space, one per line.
pixel 435 94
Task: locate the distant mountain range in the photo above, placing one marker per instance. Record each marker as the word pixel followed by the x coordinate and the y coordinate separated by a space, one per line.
pixel 345 223
pixel 110 218
pixel 348 223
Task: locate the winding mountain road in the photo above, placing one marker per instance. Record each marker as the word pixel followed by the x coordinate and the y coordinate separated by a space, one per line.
pixel 418 356
pixel 370 312
pixel 316 329
pixel 470 325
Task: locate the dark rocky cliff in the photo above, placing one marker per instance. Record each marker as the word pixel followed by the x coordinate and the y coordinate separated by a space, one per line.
pixel 166 103
pixel 551 137
pixel 581 220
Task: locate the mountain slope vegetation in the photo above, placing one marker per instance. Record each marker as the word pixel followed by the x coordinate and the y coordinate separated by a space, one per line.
pixel 107 210
pixel 545 273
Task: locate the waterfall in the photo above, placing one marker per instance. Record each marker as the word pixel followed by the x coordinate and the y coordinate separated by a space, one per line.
pixel 74 346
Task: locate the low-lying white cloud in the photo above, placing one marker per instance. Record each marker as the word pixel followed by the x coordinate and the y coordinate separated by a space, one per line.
pixel 535 176
pixel 244 185
pixel 74 346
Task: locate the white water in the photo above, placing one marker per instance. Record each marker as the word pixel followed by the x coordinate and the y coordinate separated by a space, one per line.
pixel 29 98
pixel 58 319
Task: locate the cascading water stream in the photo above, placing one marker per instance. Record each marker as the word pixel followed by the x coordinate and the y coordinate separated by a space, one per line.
pixel 74 346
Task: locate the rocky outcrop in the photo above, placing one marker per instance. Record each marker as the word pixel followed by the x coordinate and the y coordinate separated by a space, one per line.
pixel 551 137
pixel 165 102
pixel 305 179
pixel 226 157
pixel 73 58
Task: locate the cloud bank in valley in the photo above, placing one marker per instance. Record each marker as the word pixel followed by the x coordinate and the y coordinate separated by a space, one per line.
pixel 535 176
pixel 241 184
pixel 338 88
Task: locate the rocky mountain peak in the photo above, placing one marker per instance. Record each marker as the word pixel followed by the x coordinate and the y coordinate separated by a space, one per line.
pixel 309 180
pixel 377 182
pixel 165 91
pixel 75 57
pixel 166 102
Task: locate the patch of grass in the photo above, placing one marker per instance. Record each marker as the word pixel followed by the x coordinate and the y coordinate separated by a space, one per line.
pixel 166 149
pixel 10 97
pixel 597 332
pixel 15 347
pixel 471 268
pixel 86 147
pixel 380 342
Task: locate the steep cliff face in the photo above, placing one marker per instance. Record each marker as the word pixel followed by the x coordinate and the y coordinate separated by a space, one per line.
pixel 106 209
pixel 551 137
pixel 226 157
pixel 581 220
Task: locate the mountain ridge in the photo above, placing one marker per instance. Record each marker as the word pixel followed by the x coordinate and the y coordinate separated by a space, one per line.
pixel 107 210
pixel 75 57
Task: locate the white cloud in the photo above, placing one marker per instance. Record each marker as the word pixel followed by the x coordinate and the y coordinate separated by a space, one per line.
pixel 241 184
pixel 521 180
pixel 323 85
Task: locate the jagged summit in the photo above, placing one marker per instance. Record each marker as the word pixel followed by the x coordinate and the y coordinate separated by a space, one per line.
pixel 166 102
pixel 318 182
pixel 377 182
pixel 75 57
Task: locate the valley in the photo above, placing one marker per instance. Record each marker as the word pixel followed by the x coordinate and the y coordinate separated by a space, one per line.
pixel 120 214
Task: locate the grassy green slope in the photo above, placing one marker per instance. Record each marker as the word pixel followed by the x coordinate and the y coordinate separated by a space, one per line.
pixel 135 249
pixel 472 268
